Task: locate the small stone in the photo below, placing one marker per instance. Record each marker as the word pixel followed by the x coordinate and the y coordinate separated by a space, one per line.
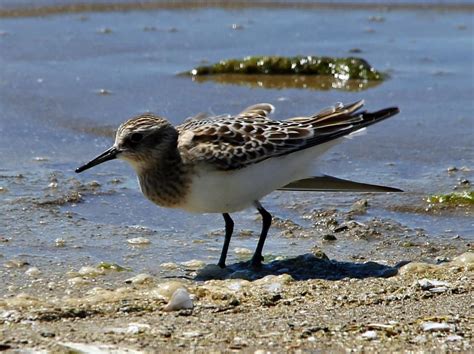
pixel 437 327
pixel 191 334
pixel 329 237
pixel 179 300
pixel 40 159
pixel 369 335
pixel 452 169
pixel 53 185
pixel 33 272
pixel 433 285
pixel 104 30
pixel 136 328
pixel 138 241
pixel 59 242
pixel 104 92
pixel 453 338
pixel 48 334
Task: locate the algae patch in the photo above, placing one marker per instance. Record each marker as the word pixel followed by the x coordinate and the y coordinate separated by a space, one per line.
pixel 341 68
pixel 454 199
pixel 276 72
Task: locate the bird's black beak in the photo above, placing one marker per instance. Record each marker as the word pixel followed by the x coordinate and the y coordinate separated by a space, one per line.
pixel 110 154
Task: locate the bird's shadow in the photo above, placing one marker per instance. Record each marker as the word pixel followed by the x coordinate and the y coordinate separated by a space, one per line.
pixel 303 267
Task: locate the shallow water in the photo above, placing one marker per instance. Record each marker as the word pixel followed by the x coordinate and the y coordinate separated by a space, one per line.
pixel 54 117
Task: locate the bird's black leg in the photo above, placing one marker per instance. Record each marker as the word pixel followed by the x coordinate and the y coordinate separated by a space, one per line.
pixel 229 228
pixel 266 222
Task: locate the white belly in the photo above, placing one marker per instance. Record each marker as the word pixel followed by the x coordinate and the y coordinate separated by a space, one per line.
pixel 230 191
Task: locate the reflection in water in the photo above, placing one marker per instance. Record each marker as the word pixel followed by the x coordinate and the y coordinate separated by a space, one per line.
pixel 280 82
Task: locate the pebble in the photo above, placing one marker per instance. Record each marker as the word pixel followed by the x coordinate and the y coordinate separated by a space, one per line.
pixel 138 241
pixel 33 272
pixel 369 335
pixel 96 348
pixel 452 169
pixel 434 286
pixel 191 334
pixel 437 327
pixel 132 328
pixel 135 328
pixel 104 30
pixel 139 279
pixel 60 242
pixel 453 338
pixel 329 237
pixel 180 300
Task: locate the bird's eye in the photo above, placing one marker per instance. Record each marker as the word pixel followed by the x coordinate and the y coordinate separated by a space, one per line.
pixel 136 137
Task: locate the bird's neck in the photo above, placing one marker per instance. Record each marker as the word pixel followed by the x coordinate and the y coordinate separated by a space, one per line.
pixel 165 182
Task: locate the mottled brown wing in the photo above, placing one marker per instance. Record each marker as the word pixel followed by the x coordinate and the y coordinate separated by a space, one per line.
pixel 240 141
pixel 235 142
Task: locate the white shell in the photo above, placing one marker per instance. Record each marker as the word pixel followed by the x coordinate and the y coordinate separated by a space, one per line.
pixel 180 300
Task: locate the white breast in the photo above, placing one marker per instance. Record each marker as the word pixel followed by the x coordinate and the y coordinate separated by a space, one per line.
pixel 230 191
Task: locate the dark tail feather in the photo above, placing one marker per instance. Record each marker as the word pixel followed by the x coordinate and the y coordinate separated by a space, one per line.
pixel 326 183
pixel 374 117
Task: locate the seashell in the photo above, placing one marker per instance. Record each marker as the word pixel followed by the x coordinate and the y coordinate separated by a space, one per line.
pixel 179 301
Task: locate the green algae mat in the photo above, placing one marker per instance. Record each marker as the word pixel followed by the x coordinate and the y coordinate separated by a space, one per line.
pixel 277 72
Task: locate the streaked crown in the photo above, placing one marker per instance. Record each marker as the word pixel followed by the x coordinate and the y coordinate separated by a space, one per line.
pixel 144 138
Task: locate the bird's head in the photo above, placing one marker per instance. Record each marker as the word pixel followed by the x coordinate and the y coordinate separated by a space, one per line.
pixel 141 141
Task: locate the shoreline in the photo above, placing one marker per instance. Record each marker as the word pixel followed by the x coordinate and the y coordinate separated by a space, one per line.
pixel 49 10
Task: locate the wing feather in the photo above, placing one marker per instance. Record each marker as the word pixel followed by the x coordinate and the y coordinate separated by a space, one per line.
pixel 228 143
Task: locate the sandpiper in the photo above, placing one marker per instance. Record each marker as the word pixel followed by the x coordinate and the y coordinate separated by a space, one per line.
pixel 224 164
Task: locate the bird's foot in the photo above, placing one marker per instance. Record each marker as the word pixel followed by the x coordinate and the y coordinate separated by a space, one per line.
pixel 256 262
pixel 221 264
